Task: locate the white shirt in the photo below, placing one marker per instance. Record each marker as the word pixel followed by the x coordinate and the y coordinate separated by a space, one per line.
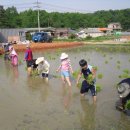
pixel 43 67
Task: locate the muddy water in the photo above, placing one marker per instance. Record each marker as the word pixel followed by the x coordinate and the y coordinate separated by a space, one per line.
pixel 30 103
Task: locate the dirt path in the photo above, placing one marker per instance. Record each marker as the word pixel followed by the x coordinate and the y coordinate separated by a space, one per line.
pixel 42 46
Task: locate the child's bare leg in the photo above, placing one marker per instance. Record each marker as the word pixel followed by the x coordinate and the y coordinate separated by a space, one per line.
pixel 68 81
pixel 63 79
pixel 69 84
pixel 94 99
pixel 29 70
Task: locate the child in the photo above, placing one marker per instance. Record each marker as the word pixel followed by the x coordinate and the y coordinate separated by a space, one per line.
pixel 13 56
pixel 87 71
pixel 29 58
pixel 65 68
pixel 43 67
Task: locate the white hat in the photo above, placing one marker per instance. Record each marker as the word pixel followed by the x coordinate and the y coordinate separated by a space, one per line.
pixel 123 89
pixel 63 56
pixel 40 59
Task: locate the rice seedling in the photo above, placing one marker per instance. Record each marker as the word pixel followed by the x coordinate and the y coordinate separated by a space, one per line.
pixel 100 76
pixel 90 79
pixel 98 88
pixel 106 62
pixel 124 75
pixel 34 73
pixel 104 55
pixel 118 67
pixel 75 74
pixel 120 76
pixel 20 62
pixel 126 71
pixel 118 62
pixel 79 85
pixel 127 105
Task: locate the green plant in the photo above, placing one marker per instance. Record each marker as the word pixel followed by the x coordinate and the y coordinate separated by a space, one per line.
pixel 98 88
pixel 106 62
pixel 118 62
pixel 34 73
pixel 89 79
pixel 126 71
pixel 127 105
pixel 75 74
pixel 100 76
pixel 79 85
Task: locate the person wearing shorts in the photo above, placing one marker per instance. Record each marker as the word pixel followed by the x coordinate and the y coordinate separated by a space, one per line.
pixel 86 70
pixel 65 69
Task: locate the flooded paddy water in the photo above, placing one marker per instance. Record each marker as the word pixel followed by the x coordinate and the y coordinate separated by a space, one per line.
pixel 30 103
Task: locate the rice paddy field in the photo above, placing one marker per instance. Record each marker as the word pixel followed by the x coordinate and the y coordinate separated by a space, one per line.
pixel 30 103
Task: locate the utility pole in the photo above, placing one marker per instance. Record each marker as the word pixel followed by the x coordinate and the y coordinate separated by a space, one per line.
pixel 38 19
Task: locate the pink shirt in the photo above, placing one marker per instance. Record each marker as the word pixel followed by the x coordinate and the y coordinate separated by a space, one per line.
pixel 65 65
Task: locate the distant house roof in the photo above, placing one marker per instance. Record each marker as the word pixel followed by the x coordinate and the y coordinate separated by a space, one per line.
pixel 114 25
pixel 62 30
pixel 92 30
pixel 104 29
pixel 41 29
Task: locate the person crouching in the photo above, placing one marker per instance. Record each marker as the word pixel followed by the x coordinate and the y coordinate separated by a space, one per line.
pixel 123 88
pixel 43 67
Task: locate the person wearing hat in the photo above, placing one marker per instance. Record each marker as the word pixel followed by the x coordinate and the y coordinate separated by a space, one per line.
pixel 123 89
pixel 43 67
pixel 13 56
pixel 28 58
pixel 86 71
pixel 65 69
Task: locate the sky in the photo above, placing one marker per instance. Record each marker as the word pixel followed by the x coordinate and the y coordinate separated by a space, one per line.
pixel 83 6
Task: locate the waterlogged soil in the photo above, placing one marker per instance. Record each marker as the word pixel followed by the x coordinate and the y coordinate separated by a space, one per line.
pixel 31 103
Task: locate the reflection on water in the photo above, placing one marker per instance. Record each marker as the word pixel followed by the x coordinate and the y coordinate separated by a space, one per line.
pixel 32 103
pixel 67 98
pixel 87 117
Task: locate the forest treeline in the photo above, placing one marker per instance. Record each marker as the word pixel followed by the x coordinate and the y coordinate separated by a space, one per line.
pixel 11 18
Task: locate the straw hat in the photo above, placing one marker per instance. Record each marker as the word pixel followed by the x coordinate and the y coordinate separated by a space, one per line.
pixel 63 56
pixel 39 60
pixel 123 89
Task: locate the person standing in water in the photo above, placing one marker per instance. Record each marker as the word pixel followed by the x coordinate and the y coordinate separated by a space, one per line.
pixel 65 69
pixel 29 58
pixel 89 82
pixel 13 56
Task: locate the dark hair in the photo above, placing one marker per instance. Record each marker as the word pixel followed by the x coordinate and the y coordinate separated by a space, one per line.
pixel 82 63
